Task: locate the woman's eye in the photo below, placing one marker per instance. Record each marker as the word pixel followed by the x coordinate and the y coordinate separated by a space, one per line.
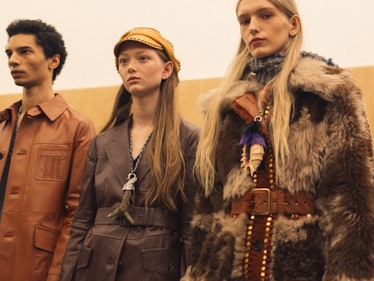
pixel 122 61
pixel 143 58
pixel 245 21
pixel 266 16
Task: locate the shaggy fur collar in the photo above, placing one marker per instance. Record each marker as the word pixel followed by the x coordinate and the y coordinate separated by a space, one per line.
pixel 310 75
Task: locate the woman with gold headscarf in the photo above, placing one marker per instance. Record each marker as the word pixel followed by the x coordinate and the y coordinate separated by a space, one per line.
pixel 133 220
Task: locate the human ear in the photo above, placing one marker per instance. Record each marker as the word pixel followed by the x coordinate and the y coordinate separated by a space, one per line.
pixel 54 61
pixel 167 71
pixel 295 25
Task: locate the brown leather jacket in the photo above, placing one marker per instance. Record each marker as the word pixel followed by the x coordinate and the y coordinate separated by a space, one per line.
pixel 42 189
pixel 156 246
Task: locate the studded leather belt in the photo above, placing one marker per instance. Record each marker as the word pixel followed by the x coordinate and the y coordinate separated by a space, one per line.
pixel 264 201
pixel 263 206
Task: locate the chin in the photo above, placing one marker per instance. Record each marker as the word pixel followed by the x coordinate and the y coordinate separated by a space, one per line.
pixel 23 84
pixel 18 83
pixel 260 55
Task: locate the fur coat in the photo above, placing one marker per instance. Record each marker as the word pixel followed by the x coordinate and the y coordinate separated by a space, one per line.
pixel 331 157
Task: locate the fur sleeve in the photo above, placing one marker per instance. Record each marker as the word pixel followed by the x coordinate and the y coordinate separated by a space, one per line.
pixel 345 195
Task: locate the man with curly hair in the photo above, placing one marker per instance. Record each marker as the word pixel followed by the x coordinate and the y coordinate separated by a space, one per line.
pixel 43 147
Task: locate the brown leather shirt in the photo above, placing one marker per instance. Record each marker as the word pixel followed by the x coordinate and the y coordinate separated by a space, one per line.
pixel 42 190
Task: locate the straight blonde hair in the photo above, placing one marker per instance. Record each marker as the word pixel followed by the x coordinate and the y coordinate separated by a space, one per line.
pixel 281 112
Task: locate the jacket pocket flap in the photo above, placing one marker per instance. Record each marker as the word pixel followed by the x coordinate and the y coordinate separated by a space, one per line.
pixel 163 260
pixel 83 257
pixel 45 238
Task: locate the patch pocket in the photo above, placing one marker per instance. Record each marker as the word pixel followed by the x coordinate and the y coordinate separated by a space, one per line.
pixel 83 259
pixel 53 163
pixel 161 264
pixel 45 238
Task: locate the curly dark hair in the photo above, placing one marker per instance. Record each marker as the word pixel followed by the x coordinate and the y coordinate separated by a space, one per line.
pixel 46 36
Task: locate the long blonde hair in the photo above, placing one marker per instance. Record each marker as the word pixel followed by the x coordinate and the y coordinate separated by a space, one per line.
pixel 168 166
pixel 282 108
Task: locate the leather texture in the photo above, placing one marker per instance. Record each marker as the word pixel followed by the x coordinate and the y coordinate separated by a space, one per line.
pixel 157 246
pixel 43 188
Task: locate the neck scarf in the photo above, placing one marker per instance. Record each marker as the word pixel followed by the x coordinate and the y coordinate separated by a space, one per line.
pixel 268 67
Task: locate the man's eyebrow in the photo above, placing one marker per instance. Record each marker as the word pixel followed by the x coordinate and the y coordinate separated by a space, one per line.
pixel 21 48
pixel 26 47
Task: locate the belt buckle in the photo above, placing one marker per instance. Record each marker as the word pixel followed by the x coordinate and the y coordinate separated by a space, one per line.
pixel 268 205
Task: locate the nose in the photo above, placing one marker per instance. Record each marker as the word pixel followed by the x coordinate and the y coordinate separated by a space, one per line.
pixel 13 60
pixel 253 26
pixel 131 67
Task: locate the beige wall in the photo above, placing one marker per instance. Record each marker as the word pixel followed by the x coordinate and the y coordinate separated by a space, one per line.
pixel 365 79
pixel 97 102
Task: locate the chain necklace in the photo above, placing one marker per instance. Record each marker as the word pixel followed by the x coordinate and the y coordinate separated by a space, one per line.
pixel 123 210
pixel 134 163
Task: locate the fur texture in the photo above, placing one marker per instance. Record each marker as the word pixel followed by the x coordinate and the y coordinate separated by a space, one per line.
pixel 331 158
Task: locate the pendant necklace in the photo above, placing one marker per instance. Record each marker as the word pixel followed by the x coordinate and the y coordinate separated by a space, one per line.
pixel 124 208
pixel 134 163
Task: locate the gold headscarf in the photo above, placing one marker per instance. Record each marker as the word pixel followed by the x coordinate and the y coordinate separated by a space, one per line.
pixel 151 37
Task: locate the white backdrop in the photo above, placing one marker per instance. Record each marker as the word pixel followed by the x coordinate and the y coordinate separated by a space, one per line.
pixel 204 33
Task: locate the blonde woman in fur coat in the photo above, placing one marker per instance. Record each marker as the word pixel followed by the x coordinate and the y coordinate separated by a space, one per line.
pixel 286 161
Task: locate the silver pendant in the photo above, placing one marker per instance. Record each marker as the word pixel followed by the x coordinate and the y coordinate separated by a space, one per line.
pixel 131 180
